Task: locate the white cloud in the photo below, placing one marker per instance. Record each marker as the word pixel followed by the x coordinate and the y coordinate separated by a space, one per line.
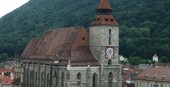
pixel 7 6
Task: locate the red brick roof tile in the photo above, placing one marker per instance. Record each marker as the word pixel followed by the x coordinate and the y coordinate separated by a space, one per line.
pixel 63 45
pixel 155 74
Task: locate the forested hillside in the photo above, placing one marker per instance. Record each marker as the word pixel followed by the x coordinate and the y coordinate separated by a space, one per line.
pixel 144 24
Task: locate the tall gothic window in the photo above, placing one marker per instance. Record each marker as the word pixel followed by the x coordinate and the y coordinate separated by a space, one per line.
pixel 32 78
pixel 95 78
pixel 48 80
pixel 62 79
pixel 56 78
pixel 43 79
pixel 110 79
pixel 78 79
pixel 27 76
pixel 110 36
pixel 36 79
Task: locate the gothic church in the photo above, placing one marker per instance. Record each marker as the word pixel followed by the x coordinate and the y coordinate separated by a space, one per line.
pixel 73 57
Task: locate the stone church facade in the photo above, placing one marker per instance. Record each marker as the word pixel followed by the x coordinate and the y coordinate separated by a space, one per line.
pixel 73 57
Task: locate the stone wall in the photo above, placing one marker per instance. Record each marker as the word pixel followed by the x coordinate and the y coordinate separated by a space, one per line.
pixel 152 83
pixel 99 41
pixel 45 75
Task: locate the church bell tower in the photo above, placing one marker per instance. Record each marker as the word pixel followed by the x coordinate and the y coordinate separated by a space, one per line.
pixel 104 35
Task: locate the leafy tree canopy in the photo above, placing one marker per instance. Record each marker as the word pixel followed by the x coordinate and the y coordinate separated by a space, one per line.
pixel 144 24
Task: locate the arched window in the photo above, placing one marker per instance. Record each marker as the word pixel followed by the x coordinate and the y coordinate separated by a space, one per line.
pixel 78 79
pixel 110 32
pixel 62 79
pixel 43 79
pixel 26 76
pixel 110 79
pixel 95 80
pixel 48 80
pixel 32 78
pixel 109 62
pixel 36 79
pixel 56 78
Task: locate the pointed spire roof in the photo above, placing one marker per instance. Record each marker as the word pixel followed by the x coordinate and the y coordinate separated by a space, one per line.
pixel 104 15
pixel 155 55
pixel 104 4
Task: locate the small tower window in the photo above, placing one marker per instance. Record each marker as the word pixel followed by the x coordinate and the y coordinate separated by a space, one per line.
pixel 109 62
pixel 111 20
pixel 78 79
pixel 83 38
pixel 110 36
pixel 98 19
pixel 106 19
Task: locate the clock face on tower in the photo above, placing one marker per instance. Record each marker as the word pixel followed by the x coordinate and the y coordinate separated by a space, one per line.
pixel 109 51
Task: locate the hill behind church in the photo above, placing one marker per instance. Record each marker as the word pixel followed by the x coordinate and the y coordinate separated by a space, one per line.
pixel 144 24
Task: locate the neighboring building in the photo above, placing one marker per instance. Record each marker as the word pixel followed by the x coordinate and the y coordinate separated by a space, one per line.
pixel 155 58
pixel 123 59
pixel 128 75
pixel 144 66
pixel 6 77
pixel 72 57
pixel 153 77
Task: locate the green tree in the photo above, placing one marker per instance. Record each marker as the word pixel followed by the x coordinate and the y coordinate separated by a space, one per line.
pixel 163 59
pixel 3 57
pixel 135 60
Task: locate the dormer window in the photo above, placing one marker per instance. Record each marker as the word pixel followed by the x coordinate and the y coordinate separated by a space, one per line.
pixel 146 75
pixel 106 19
pixel 164 77
pixel 83 38
pixel 155 76
pixel 111 20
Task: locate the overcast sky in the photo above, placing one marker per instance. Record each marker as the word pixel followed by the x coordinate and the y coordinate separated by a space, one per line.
pixel 7 6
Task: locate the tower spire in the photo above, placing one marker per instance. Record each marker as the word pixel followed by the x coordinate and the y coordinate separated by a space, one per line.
pixel 104 15
pixel 104 4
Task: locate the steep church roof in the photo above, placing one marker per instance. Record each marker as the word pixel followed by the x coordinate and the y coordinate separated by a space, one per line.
pixel 63 45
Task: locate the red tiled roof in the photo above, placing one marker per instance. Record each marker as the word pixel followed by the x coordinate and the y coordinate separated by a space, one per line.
pixel 6 80
pixel 31 47
pixel 51 45
pixel 155 74
pixel 104 4
pixel 6 70
pixel 63 45
pixel 83 56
